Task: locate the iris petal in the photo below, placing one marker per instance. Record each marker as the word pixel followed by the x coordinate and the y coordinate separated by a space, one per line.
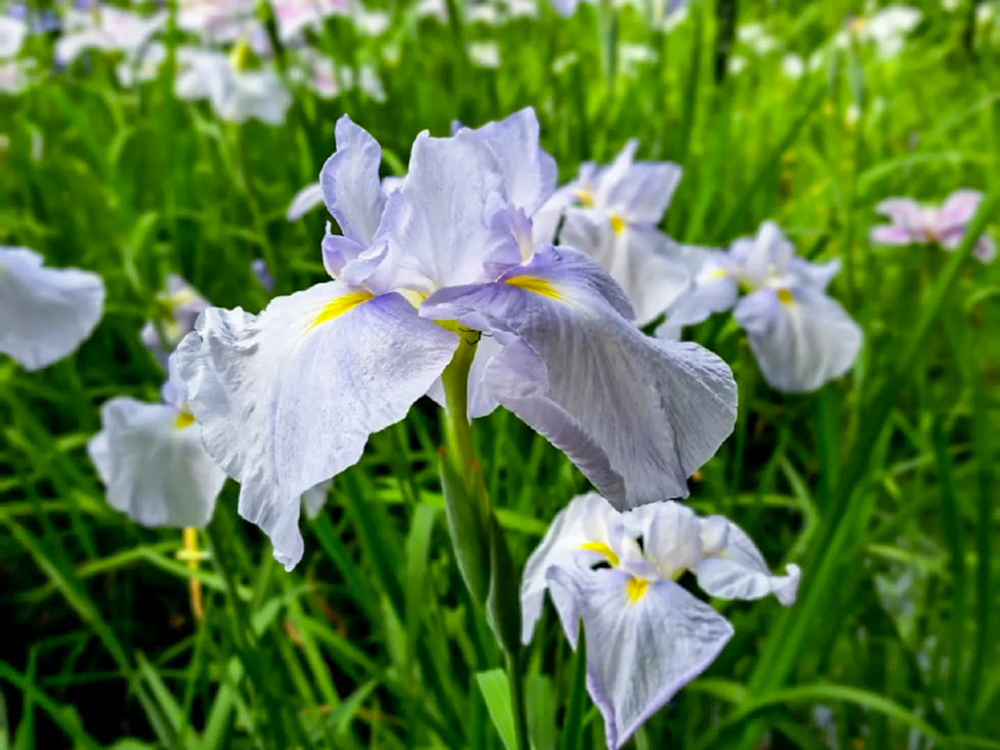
pixel 288 398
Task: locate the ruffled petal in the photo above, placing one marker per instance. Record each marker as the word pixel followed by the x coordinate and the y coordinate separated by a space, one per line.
pixel 437 225
pixel 529 173
pixel 350 182
pixel 288 398
pixel 640 651
pixel 45 313
pixel 801 338
pixel 733 568
pixel 636 415
pixel 151 459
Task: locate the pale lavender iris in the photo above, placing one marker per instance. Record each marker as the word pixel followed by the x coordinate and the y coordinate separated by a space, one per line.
pixel 612 214
pixel 45 313
pixel 647 636
pixel 178 308
pixel 289 397
pixel 152 462
pixel 802 338
pixel 914 224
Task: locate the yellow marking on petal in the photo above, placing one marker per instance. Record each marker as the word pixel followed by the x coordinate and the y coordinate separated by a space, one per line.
pixel 717 273
pixel 339 306
pixel 239 58
pixel 184 419
pixel 536 285
pixel 604 550
pixel 785 296
pixel 586 197
pixel 412 296
pixel 617 223
pixel 635 588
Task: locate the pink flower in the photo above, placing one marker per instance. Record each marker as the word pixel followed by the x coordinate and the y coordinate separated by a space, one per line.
pixel 916 224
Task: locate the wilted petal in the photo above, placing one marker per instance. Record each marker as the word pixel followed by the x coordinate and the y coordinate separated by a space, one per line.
pixel 437 225
pixel 151 459
pixel 801 338
pixel 640 651
pixel 350 182
pixel 636 415
pixel 288 398
pixel 45 313
pixel 529 173
pixel 305 201
pixel 733 568
pixel 638 258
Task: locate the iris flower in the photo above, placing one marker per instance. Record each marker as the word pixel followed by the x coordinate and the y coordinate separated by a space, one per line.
pixel 151 459
pixel 236 94
pixel 611 213
pixel 108 29
pixel 289 397
pixel 12 34
pixel 646 635
pixel 914 224
pixel 45 313
pixel 179 306
pixel 295 16
pixel 801 337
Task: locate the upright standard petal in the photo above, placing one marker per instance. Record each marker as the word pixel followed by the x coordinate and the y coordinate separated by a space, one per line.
pixel 350 182
pixel 639 258
pixel 801 338
pixel 438 225
pixel 645 641
pixel 45 313
pixel 638 192
pixel 529 173
pixel 733 568
pixel 636 415
pixel 714 288
pixel 151 459
pixel 288 398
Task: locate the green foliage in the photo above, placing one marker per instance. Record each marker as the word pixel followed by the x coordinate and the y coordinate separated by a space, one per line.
pixel 880 485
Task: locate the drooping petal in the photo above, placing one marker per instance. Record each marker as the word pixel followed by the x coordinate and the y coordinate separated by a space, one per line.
pixel 305 201
pixel 151 459
pixel 437 224
pixel 45 313
pixel 733 568
pixel 713 289
pixel 529 173
pixel 905 212
pixel 638 258
pixel 892 234
pixel 801 338
pixel 288 398
pixel 644 642
pixel 587 520
pixel 636 415
pixel 350 182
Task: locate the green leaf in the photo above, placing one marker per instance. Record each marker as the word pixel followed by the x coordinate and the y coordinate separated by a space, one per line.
pixel 495 689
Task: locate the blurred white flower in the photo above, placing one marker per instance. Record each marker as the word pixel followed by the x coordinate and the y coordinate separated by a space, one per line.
pixel 483 13
pixel 632 55
pixel 886 29
pixel 235 94
pixel 217 21
pixel 295 16
pixel 108 29
pixel 143 66
pixel 369 22
pixel 793 66
pixel 316 72
pixel 756 38
pixel 737 65
pixel 16 75
pixel 485 54
pixel 12 33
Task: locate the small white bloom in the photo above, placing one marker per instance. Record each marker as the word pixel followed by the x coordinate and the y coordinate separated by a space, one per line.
pixel 485 54
pixel 12 33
